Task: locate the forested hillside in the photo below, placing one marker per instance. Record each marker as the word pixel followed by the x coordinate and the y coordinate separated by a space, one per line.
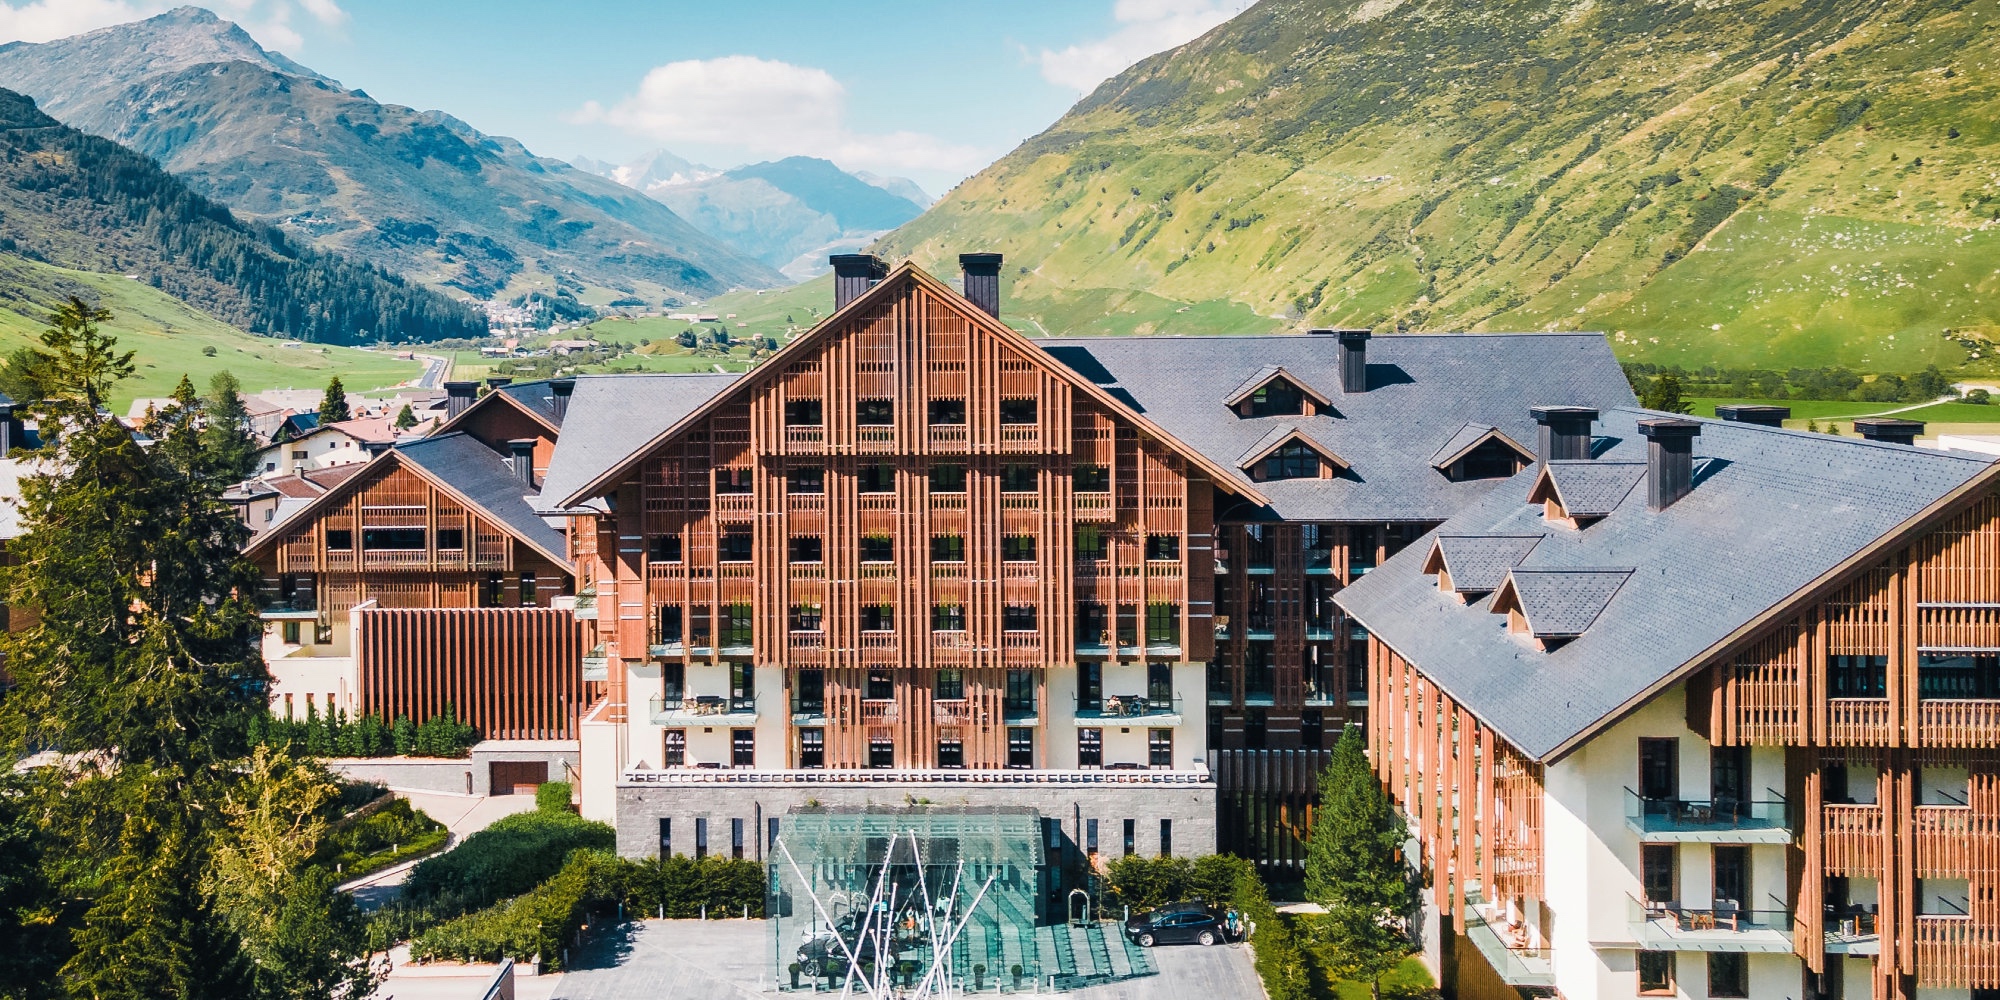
pixel 81 202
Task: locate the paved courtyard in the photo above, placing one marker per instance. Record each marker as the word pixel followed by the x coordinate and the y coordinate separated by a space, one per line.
pixel 730 960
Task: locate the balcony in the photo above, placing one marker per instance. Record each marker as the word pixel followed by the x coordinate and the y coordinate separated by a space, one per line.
pixel 1018 710
pixel 1319 561
pixel 1669 926
pixel 702 710
pixel 1506 948
pixel 808 709
pixel 1858 722
pixel 300 608
pixel 595 666
pixel 1853 934
pixel 585 607
pixel 1852 840
pixel 1680 821
pixel 1132 709
pixel 1958 722
pixel 952 712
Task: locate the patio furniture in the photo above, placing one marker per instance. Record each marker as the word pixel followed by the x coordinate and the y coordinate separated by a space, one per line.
pixel 1728 912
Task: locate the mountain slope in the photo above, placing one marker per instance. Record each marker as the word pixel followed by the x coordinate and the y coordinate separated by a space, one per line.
pixel 82 202
pixel 789 213
pixel 1757 182
pixel 420 193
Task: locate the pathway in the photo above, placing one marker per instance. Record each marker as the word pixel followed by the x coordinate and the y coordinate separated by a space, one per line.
pixel 462 816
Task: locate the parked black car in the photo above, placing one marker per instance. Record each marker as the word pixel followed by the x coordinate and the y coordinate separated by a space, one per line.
pixel 1177 923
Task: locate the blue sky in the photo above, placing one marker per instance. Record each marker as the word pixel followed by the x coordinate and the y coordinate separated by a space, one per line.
pixel 928 90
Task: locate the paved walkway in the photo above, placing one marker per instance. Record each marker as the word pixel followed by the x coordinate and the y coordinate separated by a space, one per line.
pixel 462 815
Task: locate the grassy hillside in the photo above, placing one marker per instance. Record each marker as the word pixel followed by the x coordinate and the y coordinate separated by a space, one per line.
pixel 1767 182
pixel 171 337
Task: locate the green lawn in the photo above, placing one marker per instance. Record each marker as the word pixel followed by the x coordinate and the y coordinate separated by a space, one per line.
pixel 1410 981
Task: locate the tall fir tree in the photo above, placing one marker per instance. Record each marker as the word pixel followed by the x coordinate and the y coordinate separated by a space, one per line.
pixel 406 418
pixel 333 405
pixel 225 433
pixel 1355 868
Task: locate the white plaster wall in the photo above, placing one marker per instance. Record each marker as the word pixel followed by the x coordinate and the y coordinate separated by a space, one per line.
pixel 773 711
pixel 598 770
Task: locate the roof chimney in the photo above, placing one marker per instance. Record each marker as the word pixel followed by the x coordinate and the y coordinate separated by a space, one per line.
pixel 1565 432
pixel 1669 459
pixel 559 390
pixel 458 396
pixel 521 455
pixel 1749 413
pixel 6 425
pixel 496 381
pixel 853 274
pixel 1893 430
pixel 982 280
pixel 375 448
pixel 1353 358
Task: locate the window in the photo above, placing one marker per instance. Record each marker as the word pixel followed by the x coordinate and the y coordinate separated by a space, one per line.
pixel 673 683
pixel 1160 683
pixel 878 548
pixel 1090 836
pixel 492 591
pixel 806 618
pixel 878 618
pixel 1020 698
pixel 732 480
pixel 1016 477
pixel 1659 874
pixel 1277 398
pixel 1166 838
pixel 1659 769
pixel 877 478
pixel 1160 748
pixel 881 685
pixel 1947 675
pixel 1163 547
pixel 527 590
pixel 736 838
pixel 742 686
pixel 1017 411
pixel 1656 973
pixel 1018 548
pixel 1857 676
pixel 812 748
pixel 950 752
pixel 1018 618
pixel 947 548
pixel 397 539
pixel 700 837
pixel 950 684
pixel 670 624
pixel 1731 873
pixel 1091 541
pixel 1312 728
pixel 947 478
pixel 666 836
pixel 1296 460
pixel 804 413
pixel 676 752
pixel 1020 747
pixel 743 748
pixel 736 546
pixel 291 633
pixel 1163 624
pixel 1090 686
pixel 1091 478
pixel 809 693
pixel 1091 625
pixel 1131 837
pixel 1090 748
pixel 299 453
pixel 947 411
pixel 947 618
pixel 451 539
pixel 1728 975
pixel 874 412
pixel 1491 460
pixel 665 548
pixel 810 479
pixel 771 837
pixel 806 549
pixel 881 752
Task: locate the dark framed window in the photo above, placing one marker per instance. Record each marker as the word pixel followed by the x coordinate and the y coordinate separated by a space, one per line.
pixel 1090 836
pixel 771 834
pixel 1160 683
pixel 1659 872
pixel 807 549
pixel 1018 618
pixel 881 752
pixel 809 692
pixel 670 624
pixel 1018 411
pixel 732 480
pixel 1090 686
pixel 809 479
pixel 736 838
pixel 1020 747
pixel 339 540
pixel 743 748
pixel 451 539
pixel 1857 676
pixel 1092 541
pixel 736 620
pixel 665 548
pixel 1490 460
pixel 737 546
pixel 950 684
pixel 881 685
pixel 878 618
pixel 1017 548
pixel 948 618
pixel 947 548
pixel 1090 749
pixel 1166 838
pixel 1020 697
pixel 291 633
pixel 1091 479
pixel 1163 624
pixel 527 591
pixel 806 618
pixel 492 591
pixel 1277 398
pixel 947 477
pixel 804 413
pixel 812 747
pixel 1131 837
pixel 874 412
pixel 1296 460
pixel 666 836
pixel 1659 769
pixel 950 752
pixel 1160 748
pixel 877 478
pixel 947 411
pixel 393 539
pixel 1963 676
pixel 700 837
pixel 1656 973
pixel 1018 477
pixel 1092 624
pixel 1163 546
pixel 673 683
pixel 878 548
pixel 1728 974
pixel 675 754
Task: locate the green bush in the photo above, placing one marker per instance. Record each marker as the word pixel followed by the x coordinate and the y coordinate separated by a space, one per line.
pixel 506 859
pixel 680 887
pixel 335 735
pixel 1282 961
pixel 553 796
pixel 389 835
pixel 534 923
pixel 1144 883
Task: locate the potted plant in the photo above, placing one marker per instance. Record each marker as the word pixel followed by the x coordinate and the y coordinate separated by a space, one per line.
pixel 979 977
pixel 1016 970
pixel 794 969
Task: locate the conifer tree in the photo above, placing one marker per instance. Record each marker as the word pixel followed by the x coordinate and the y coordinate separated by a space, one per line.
pixel 1355 868
pixel 226 433
pixel 333 405
pixel 405 418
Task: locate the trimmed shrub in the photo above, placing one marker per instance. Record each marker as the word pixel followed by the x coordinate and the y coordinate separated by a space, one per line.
pixel 552 796
pixel 1282 962
pixel 534 923
pixel 334 735
pixel 1145 883
pixel 506 859
pixel 389 835
pixel 680 886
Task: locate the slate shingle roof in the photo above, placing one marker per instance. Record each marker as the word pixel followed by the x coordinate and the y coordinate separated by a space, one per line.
pixel 1561 602
pixel 1771 512
pixel 1588 488
pixel 611 416
pixel 1478 564
pixel 537 396
pixel 484 477
pixel 1422 389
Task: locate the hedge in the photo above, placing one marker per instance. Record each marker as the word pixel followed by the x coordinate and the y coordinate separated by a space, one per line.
pixel 510 857
pixel 392 834
pixel 1145 883
pixel 334 735
pixel 552 796
pixel 683 887
pixel 535 923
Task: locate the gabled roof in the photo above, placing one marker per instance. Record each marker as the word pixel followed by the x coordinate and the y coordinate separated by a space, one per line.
pixel 1478 564
pixel 1558 603
pixel 1265 376
pixel 1775 518
pixel 613 417
pixel 1471 436
pixel 1422 389
pixel 536 399
pixel 1280 437
pixel 899 277
pixel 1584 487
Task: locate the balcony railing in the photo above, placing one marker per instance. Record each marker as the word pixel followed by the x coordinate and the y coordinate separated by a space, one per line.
pixel 951 712
pixel 1853 840
pixel 1721 821
pixel 1724 926
pixel 1506 948
pixel 1956 722
pixel 585 607
pixel 1319 561
pixel 595 665
pixel 1116 708
pixel 808 708
pixel 701 710
pixel 1857 721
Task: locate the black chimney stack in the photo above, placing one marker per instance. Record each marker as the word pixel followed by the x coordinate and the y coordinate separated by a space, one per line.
pixel 1893 430
pixel 458 396
pixel 982 280
pixel 1565 432
pixel 6 425
pixel 853 274
pixel 1669 459
pixel 496 381
pixel 374 448
pixel 521 455
pixel 1353 360
pixel 559 390
pixel 1752 413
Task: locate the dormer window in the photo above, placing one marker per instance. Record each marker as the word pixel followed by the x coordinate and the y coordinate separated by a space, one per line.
pixel 1274 392
pixel 1293 461
pixel 1480 451
pixel 1287 453
pixel 1277 398
pixel 1554 606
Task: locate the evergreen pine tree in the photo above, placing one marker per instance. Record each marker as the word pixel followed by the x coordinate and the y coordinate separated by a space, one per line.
pixel 1664 394
pixel 333 405
pixel 406 736
pixel 1355 868
pixel 226 435
pixel 405 418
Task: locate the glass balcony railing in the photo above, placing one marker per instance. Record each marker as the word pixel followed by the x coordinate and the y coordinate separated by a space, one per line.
pixel 1724 925
pixel 1720 821
pixel 701 709
pixel 595 665
pixel 1507 948
pixel 1113 706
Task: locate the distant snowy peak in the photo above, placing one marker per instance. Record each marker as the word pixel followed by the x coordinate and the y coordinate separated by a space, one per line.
pixel 901 187
pixel 649 173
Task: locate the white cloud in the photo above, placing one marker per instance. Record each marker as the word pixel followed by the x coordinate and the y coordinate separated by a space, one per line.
pixel 768 108
pixel 1144 27
pixel 269 21
pixel 325 11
